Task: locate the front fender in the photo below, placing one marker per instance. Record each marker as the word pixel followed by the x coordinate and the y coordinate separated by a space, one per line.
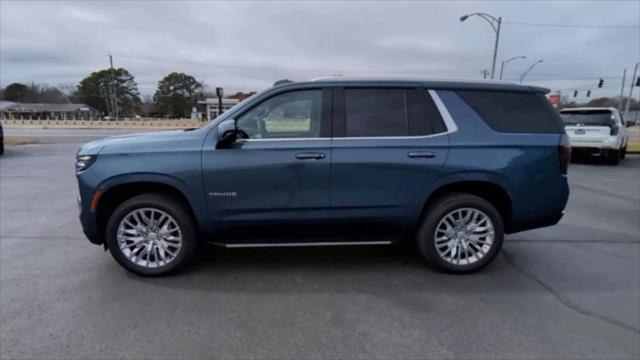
pixel 193 193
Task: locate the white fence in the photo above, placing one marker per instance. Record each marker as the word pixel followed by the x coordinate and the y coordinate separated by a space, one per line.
pixel 104 124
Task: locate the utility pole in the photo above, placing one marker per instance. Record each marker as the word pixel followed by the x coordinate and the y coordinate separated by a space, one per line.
pixel 624 77
pixel 105 93
pixel 114 99
pixel 633 83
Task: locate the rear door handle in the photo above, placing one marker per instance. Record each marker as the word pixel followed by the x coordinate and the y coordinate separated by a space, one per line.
pixel 309 156
pixel 421 154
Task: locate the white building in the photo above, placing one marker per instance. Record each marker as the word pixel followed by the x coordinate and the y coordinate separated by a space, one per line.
pixel 211 105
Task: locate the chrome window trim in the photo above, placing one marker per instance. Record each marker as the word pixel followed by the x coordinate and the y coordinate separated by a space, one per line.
pixel 446 116
pixel 286 139
pixel 449 123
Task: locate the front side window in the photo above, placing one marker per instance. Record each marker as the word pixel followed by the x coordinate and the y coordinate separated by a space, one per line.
pixel 294 114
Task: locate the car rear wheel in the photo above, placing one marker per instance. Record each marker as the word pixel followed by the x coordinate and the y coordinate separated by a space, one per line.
pixel 613 157
pixel 151 235
pixel 623 152
pixel 460 233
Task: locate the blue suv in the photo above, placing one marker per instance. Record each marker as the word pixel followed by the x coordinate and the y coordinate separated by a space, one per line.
pixel 452 166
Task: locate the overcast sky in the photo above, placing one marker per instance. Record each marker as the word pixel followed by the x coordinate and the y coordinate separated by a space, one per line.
pixel 248 45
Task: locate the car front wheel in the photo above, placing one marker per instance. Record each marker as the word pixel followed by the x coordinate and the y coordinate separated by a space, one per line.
pixel 151 235
pixel 460 233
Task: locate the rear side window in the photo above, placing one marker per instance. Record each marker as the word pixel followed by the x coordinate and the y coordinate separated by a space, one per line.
pixel 375 112
pixel 514 111
pixel 380 112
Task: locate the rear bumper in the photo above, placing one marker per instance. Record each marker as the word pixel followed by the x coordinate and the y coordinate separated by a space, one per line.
pixel 536 223
pixel 540 208
pixel 607 143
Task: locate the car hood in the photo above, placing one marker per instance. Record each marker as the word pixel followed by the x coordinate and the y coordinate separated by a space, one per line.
pixel 130 142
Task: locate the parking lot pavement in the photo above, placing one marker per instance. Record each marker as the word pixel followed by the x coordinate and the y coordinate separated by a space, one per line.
pixel 569 291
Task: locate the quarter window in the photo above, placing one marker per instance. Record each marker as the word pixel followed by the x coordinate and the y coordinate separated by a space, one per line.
pixel 514 111
pixel 291 115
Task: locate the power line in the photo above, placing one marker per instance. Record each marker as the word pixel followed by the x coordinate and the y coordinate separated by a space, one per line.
pixel 587 26
pixel 539 77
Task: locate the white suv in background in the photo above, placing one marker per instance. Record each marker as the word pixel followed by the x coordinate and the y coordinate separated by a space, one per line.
pixel 596 130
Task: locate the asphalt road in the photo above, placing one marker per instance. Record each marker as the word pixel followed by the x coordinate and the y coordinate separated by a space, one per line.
pixel 569 291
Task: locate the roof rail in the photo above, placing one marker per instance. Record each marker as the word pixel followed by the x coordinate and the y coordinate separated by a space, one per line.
pixel 329 77
pixel 282 82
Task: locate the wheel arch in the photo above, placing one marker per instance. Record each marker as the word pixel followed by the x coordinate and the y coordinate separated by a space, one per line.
pixel 120 191
pixel 493 192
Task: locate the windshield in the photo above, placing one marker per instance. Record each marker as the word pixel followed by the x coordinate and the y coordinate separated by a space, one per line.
pixel 590 117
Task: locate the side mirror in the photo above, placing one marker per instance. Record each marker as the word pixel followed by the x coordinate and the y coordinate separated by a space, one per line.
pixel 227 133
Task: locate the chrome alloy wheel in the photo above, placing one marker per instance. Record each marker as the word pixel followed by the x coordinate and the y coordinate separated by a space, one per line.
pixel 149 237
pixel 464 236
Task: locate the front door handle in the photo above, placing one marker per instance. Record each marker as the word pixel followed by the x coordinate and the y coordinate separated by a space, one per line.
pixel 421 154
pixel 309 156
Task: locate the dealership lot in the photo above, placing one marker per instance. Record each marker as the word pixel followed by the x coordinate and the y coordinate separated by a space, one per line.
pixel 570 291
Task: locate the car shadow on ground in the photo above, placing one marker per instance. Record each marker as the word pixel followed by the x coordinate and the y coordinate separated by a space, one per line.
pixel 378 270
pixel 591 160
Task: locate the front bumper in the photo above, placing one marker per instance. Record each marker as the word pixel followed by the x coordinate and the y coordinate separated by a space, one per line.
pixel 87 186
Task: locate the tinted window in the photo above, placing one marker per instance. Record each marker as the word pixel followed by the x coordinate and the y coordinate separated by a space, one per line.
pixel 424 117
pixel 514 111
pixel 375 112
pixel 290 115
pixel 390 112
pixel 588 117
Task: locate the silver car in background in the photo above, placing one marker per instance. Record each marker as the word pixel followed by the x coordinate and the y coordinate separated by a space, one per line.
pixel 596 130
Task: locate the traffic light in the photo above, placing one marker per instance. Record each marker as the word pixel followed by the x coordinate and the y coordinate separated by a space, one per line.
pixel 575 93
pixel 588 93
pixel 638 81
pixel 600 83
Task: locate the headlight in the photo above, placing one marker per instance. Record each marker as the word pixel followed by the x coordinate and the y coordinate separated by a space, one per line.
pixel 84 161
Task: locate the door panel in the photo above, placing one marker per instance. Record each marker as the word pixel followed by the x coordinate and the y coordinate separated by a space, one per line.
pixel 279 175
pixel 382 179
pixel 262 180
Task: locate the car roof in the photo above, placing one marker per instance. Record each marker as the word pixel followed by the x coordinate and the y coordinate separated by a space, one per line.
pixel 436 84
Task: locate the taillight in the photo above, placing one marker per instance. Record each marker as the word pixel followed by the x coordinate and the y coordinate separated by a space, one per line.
pixel 564 152
pixel 614 129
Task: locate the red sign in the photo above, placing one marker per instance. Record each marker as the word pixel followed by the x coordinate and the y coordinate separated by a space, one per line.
pixel 554 99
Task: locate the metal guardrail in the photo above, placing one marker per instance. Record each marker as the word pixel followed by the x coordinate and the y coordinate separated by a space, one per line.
pixel 103 124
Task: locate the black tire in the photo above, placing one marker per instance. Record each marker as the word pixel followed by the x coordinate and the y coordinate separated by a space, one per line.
pixel 1 147
pixel 613 157
pixel 177 210
pixel 444 205
pixel 623 152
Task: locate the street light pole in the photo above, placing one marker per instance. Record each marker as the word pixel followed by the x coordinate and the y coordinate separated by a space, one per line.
pixel 496 24
pixel 529 69
pixel 505 62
